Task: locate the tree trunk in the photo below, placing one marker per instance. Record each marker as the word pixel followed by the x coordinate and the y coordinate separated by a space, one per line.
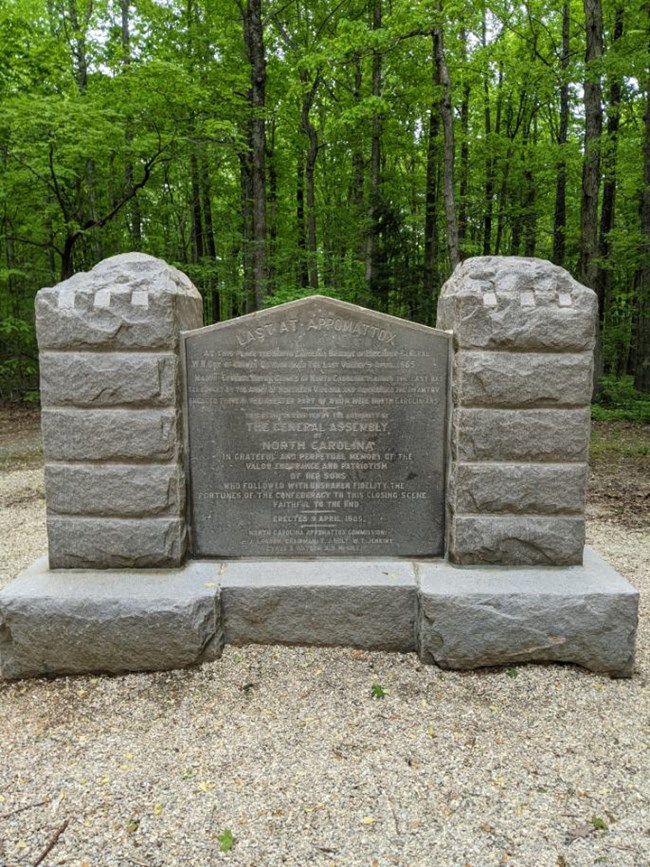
pixel 245 170
pixel 501 206
pixel 197 221
pixel 357 155
pixel 442 79
pixel 559 220
pixel 372 246
pixel 609 160
pixel 591 164
pixel 489 160
pixel 463 185
pixel 310 168
pixel 78 38
pixel 273 208
pixel 300 222
pixel 530 202
pixel 135 221
pixel 209 244
pixel 254 42
pixel 431 241
pixel 358 170
pixel 641 355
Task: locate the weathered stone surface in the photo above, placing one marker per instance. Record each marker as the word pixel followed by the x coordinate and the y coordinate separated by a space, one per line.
pixel 317 428
pixel 480 617
pixel 96 379
pixel 115 543
pixel 512 303
pixel 70 622
pixel 553 435
pixel 130 301
pixel 351 603
pixel 125 490
pixel 516 379
pixel 543 489
pixel 77 622
pixel 513 541
pixel 110 434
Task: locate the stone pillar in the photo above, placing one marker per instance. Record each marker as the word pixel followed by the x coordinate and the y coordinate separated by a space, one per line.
pixel 524 333
pixel 112 414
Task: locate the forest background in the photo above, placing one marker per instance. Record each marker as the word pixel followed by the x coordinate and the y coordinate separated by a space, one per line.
pixel 357 148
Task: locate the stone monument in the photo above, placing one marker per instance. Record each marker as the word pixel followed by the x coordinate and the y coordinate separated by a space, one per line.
pixel 317 429
pixel 316 473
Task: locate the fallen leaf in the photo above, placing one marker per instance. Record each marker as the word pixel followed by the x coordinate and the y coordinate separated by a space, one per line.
pixel 368 820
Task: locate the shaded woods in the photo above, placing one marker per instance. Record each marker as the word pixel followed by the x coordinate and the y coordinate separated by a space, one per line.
pixel 358 148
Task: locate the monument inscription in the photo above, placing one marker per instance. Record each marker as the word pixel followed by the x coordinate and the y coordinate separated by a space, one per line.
pixel 317 428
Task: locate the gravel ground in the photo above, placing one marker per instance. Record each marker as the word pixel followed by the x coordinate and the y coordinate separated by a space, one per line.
pixel 282 755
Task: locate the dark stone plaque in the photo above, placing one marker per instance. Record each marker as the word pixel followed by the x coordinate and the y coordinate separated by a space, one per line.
pixel 317 428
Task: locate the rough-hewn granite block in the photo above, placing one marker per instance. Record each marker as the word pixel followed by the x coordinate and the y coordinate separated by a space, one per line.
pixel 130 301
pixel 515 540
pixel 329 602
pixel 110 434
pixel 517 379
pixel 553 435
pixel 543 489
pixel 96 379
pixel 103 621
pixel 513 303
pixel 115 543
pixel 479 616
pixel 144 490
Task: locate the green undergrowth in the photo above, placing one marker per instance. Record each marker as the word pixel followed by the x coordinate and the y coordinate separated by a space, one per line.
pixel 618 400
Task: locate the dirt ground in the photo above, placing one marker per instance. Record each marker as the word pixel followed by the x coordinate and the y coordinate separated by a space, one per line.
pixel 619 479
pixel 20 437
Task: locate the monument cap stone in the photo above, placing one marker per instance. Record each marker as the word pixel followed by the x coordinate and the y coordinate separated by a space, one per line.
pixel 517 303
pixel 130 301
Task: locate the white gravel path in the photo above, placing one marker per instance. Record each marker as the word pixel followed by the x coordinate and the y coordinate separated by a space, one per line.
pixel 286 751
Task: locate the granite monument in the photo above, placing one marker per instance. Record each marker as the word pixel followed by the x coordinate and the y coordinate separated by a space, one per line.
pixel 316 473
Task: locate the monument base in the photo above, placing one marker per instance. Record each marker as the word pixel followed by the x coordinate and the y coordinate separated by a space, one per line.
pixel 77 621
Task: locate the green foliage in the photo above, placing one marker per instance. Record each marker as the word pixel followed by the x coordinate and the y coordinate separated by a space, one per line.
pixel 619 400
pixel 599 824
pixel 284 294
pixel 226 840
pixel 377 691
pixel 86 115
pixel 18 366
pixel 512 672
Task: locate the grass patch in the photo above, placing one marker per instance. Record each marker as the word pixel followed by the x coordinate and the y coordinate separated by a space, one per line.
pixel 617 440
pixel 618 400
